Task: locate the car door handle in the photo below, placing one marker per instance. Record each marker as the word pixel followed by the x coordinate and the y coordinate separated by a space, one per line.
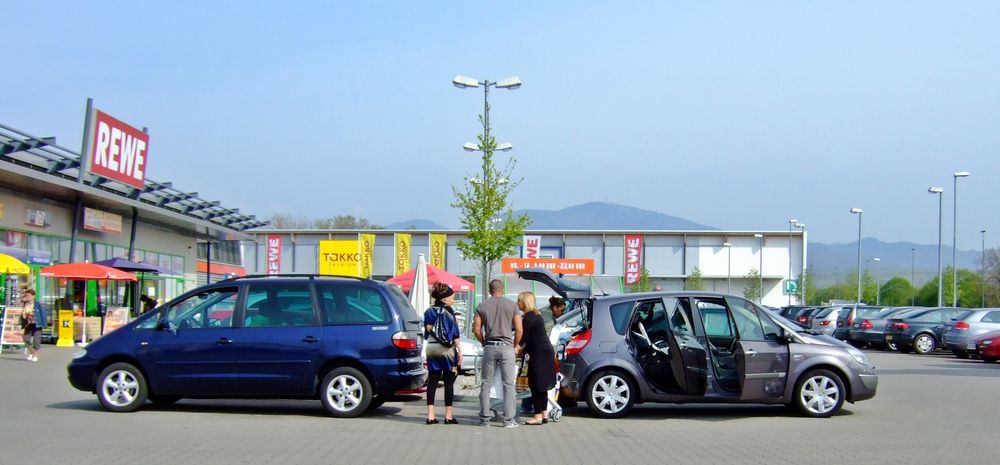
pixel 750 352
pixel 223 341
pixel 310 340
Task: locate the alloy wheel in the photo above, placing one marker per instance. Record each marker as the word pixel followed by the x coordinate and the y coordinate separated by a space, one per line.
pixel 819 394
pixel 344 393
pixel 120 388
pixel 611 394
pixel 923 344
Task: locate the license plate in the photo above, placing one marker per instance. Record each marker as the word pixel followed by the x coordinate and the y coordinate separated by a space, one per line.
pixel 971 345
pixel 888 337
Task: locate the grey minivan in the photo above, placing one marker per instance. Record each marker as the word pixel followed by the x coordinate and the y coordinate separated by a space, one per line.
pixel 700 347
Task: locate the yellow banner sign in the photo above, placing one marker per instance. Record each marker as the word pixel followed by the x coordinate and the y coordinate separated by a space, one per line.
pixel 402 254
pixel 367 242
pixel 438 245
pixel 339 257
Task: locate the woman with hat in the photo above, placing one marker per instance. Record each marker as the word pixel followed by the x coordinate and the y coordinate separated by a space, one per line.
pixel 443 357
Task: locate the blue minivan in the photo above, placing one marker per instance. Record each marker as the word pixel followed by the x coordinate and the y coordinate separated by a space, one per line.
pixel 350 342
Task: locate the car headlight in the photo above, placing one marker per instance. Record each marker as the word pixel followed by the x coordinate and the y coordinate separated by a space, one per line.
pixel 986 342
pixel 79 354
pixel 859 356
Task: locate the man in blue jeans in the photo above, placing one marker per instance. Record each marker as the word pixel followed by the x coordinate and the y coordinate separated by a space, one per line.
pixel 497 325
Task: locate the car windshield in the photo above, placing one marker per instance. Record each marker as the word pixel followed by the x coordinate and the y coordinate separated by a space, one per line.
pixel 962 315
pixel 868 312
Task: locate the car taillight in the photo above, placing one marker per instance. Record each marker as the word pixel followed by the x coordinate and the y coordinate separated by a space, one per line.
pixel 825 323
pixel 865 324
pixel 961 325
pixel 850 320
pixel 803 319
pixel 403 340
pixel 900 325
pixel 577 343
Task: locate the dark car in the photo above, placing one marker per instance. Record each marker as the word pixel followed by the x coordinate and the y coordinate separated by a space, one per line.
pixel 698 347
pixel 845 320
pixel 869 330
pixel 349 342
pixel 921 331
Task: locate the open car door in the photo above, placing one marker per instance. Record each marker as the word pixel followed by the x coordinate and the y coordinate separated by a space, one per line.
pixel 761 357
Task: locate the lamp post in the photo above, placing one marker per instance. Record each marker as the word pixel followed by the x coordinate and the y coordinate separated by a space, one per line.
pixel 487 146
pixel 878 282
pixel 802 274
pixel 760 271
pixel 954 239
pixel 982 268
pixel 938 191
pixel 729 269
pixel 791 222
pixel 913 284
pixel 858 212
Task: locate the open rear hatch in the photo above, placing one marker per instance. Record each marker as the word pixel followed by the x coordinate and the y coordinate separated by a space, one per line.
pixel 566 288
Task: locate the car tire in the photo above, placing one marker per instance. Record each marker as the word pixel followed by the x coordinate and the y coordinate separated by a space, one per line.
pixel 121 387
pixel 990 359
pixel 924 344
pixel 164 400
pixel 345 392
pixel 611 394
pixel 819 393
pixel 890 346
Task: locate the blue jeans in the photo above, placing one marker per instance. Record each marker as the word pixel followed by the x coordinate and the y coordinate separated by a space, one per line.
pixel 494 357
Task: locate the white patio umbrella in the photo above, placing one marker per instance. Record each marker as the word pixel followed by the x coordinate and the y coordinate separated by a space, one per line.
pixel 420 297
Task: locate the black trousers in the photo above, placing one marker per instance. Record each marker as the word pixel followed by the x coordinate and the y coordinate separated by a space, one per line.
pixel 448 377
pixel 540 401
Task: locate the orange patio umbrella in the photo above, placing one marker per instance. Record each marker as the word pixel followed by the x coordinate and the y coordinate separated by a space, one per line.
pixel 86 271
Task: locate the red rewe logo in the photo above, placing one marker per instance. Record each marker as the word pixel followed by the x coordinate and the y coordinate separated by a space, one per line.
pixel 118 151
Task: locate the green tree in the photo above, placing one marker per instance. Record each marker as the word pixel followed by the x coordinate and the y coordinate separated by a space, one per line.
pixel 969 290
pixel 694 282
pixel 752 291
pixel 897 292
pixel 644 284
pixel 485 212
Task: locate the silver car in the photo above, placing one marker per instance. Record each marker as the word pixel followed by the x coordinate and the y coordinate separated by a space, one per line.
pixel 688 346
pixel 958 334
pixel 825 321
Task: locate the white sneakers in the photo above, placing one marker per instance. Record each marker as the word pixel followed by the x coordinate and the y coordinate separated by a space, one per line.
pixel 32 358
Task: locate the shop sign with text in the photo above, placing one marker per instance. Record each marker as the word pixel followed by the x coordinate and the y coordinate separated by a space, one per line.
pixel 532 246
pixel 633 258
pixel 438 243
pixel 555 265
pixel 339 257
pixel 101 221
pixel 273 253
pixel 116 150
pixel 402 254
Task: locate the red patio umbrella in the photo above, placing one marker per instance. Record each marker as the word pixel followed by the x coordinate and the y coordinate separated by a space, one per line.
pixel 434 274
pixel 86 271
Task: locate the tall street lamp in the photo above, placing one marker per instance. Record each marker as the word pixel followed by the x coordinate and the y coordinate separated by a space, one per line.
pixel 859 212
pixel 938 191
pixel 982 268
pixel 954 239
pixel 913 283
pixel 760 271
pixel 729 269
pixel 802 275
pixel 791 222
pixel 878 282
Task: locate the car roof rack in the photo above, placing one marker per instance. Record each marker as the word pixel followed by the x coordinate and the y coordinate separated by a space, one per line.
pixel 297 275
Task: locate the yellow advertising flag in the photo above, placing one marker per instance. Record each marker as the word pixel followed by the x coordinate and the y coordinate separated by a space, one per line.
pixel 438 245
pixel 402 254
pixel 367 242
pixel 339 257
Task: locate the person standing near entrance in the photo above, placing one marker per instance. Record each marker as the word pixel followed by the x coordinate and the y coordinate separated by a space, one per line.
pixel 497 325
pixel 34 321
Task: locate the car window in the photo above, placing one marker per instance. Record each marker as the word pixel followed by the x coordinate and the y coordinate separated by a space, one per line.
pixel 747 323
pixel 931 316
pixel 402 304
pixel 352 305
pixel 771 329
pixel 278 305
pixel 209 309
pixel 991 317
pixel 619 315
pixel 715 318
pixel 960 314
pixel 823 313
pixel 680 322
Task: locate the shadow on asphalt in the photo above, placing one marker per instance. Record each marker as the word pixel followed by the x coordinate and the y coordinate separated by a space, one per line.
pixel 705 412
pixel 311 408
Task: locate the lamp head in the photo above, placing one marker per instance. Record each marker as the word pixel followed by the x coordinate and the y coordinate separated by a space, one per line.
pixel 935 190
pixel 800 225
pixel 961 174
pixel 504 147
pixel 463 82
pixel 758 235
pixel 856 210
pixel 510 83
pixel 470 147
pixel 726 244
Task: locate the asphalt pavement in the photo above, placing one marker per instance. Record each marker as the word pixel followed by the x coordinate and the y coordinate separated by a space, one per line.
pixel 929 410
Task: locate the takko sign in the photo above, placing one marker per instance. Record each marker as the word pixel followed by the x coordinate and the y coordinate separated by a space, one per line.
pixel 116 150
pixel 633 258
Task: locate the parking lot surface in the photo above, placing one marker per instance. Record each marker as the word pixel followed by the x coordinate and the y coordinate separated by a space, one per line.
pixel 929 410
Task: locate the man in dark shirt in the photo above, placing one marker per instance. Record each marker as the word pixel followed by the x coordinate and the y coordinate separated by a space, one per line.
pixel 497 325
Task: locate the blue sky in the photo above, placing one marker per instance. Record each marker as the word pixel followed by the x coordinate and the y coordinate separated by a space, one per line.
pixel 734 114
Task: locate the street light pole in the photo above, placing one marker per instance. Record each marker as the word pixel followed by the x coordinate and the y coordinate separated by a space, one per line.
pixel 954 240
pixel 939 192
pixel 802 274
pixel 982 268
pixel 760 271
pixel 878 282
pixel 791 222
pixel 729 269
pixel 913 284
pixel 858 212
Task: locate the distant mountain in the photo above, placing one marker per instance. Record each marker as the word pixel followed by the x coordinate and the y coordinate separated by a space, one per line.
pixel 831 262
pixel 601 215
pixel 415 224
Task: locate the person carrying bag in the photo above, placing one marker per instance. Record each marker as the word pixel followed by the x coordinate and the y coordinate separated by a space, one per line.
pixel 444 354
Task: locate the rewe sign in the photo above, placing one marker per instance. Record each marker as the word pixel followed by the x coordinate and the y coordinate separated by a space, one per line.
pixel 116 150
pixel 633 258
